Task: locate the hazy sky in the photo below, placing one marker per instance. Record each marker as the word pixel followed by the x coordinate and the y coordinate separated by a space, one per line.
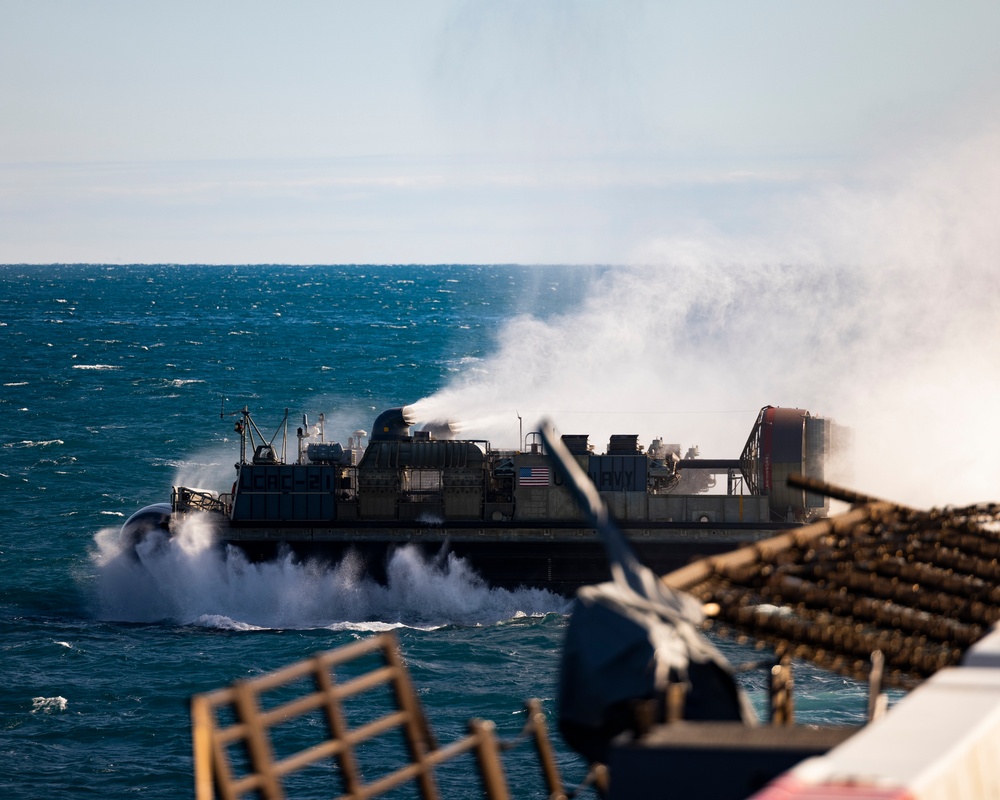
pixel 426 132
pixel 802 197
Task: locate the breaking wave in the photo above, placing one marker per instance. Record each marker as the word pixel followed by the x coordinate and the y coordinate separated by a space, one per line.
pixel 32 443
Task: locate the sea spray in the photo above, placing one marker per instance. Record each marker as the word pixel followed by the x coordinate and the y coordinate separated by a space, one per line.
pixel 188 578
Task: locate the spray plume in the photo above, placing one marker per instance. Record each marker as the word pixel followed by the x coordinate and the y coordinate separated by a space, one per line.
pixel 875 304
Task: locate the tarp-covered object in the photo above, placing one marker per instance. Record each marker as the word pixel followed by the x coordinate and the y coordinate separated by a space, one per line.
pixel 621 648
pixel 628 639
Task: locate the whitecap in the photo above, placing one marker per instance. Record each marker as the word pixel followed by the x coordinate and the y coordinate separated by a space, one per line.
pixel 223 623
pixel 48 704
pixel 372 627
pixel 96 366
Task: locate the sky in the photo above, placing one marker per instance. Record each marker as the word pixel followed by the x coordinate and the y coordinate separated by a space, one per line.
pixel 486 132
pixel 799 199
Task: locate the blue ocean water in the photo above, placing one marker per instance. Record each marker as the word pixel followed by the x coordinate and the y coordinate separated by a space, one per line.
pixel 117 382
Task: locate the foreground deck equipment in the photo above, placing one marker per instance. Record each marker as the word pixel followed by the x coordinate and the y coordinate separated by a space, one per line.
pixel 920 587
pixel 240 747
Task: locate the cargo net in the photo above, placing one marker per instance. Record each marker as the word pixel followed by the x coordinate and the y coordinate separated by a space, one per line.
pixel 919 586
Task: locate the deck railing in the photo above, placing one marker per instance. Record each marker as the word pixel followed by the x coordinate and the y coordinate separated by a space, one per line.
pixel 233 731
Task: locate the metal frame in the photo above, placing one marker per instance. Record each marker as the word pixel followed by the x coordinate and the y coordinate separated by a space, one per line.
pixel 214 771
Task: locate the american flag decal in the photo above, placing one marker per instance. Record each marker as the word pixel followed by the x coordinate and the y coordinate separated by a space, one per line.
pixel 533 476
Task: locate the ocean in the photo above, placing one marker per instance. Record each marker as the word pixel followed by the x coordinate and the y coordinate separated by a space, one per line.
pixel 117 383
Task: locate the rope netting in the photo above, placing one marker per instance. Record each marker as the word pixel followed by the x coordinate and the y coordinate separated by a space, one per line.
pixel 919 586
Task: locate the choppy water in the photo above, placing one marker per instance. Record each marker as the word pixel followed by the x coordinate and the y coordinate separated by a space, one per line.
pixel 111 390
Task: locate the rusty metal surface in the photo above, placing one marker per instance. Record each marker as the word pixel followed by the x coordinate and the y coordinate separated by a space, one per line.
pixel 918 586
